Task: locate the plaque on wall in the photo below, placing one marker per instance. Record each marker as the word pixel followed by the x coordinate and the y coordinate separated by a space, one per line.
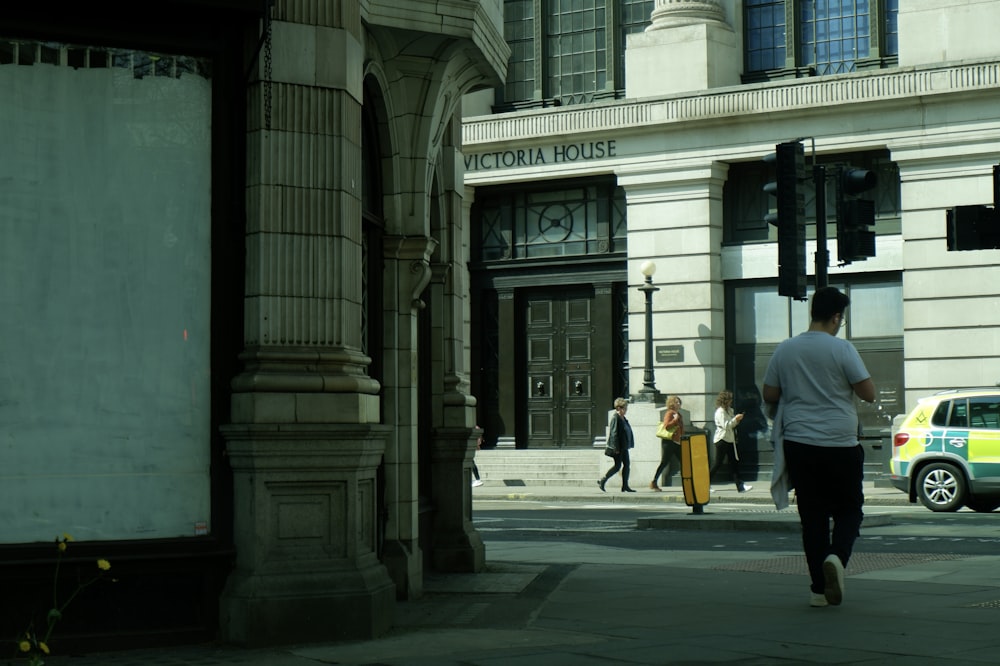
pixel 670 354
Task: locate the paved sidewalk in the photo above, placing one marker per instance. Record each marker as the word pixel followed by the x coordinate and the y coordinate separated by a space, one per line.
pixel 555 604
pixel 875 494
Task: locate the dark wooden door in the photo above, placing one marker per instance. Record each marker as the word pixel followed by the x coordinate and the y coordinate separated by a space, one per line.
pixel 560 368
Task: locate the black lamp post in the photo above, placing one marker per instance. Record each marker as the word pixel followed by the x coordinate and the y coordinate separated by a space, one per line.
pixel 648 392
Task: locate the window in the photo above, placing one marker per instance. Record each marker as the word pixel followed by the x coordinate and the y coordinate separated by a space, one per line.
pixel 576 46
pixel 758 320
pixel 940 417
pixel 760 315
pixel 959 414
pixel 107 256
pixel 519 32
pixel 984 412
pixel 574 52
pixel 786 38
pixel 765 21
pixel 576 219
pixel 876 310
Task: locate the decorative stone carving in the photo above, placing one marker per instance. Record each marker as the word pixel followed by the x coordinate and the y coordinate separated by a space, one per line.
pixel 417 250
pixel 674 13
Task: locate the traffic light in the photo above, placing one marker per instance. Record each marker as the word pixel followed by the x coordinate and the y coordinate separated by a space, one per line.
pixel 976 227
pixel 973 228
pixel 790 217
pixel 855 240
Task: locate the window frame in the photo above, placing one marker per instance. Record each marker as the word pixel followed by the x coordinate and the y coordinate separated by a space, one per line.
pixel 511 210
pixel 618 23
pixel 881 14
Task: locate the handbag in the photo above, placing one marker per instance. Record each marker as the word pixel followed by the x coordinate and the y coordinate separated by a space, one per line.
pixel 664 432
pixel 610 452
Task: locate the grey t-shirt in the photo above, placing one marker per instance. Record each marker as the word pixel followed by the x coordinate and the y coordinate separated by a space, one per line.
pixel 815 372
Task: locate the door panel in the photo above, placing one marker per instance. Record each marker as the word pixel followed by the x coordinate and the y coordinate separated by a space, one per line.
pixel 560 373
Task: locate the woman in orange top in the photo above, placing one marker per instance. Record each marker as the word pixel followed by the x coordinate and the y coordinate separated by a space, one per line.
pixel 669 448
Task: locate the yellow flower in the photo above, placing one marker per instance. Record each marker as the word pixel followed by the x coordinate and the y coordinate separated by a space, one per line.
pixel 103 564
pixel 62 546
pixel 67 537
pixel 43 647
pixel 25 646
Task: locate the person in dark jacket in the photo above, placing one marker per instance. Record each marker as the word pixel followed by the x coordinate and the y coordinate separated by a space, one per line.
pixel 620 440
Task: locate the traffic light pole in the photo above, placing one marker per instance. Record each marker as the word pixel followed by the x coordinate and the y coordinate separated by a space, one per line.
pixel 822 255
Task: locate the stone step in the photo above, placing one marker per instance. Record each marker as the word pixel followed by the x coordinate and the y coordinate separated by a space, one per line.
pixel 581 467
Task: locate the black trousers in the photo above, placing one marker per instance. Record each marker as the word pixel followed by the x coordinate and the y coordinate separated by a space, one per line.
pixel 827 482
pixel 622 463
pixel 669 450
pixel 726 451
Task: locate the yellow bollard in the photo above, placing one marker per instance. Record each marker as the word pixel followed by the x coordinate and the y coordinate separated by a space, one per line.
pixel 694 471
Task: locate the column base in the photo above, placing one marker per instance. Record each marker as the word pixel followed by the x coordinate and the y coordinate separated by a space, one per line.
pixel 305 529
pixel 260 610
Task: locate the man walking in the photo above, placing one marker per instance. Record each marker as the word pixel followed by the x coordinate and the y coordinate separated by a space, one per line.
pixel 812 379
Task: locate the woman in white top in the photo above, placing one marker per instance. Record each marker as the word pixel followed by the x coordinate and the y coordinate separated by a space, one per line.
pixel 725 438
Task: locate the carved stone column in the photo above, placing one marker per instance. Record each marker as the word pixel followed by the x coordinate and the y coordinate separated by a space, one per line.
pixel 304 438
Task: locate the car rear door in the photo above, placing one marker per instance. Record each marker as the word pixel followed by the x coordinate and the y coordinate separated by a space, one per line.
pixel 984 439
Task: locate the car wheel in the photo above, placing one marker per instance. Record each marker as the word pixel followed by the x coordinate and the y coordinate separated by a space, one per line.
pixel 941 487
pixel 983 504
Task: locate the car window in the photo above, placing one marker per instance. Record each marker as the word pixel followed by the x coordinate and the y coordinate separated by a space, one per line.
pixel 985 412
pixel 940 417
pixel 959 414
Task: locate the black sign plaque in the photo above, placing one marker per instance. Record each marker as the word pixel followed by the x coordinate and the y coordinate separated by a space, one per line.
pixel 670 354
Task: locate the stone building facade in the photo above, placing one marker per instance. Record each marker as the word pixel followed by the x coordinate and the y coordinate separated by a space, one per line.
pixel 649 146
pixel 235 244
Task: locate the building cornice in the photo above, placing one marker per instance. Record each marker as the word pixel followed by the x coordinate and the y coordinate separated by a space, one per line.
pixel 780 97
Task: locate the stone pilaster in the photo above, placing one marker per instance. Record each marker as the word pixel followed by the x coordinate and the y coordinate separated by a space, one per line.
pixel 675 219
pixel 407 274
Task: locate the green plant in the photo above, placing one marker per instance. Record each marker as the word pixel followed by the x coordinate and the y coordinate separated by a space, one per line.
pixel 33 643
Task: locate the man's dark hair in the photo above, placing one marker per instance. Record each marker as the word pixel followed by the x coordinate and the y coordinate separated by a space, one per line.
pixel 827 302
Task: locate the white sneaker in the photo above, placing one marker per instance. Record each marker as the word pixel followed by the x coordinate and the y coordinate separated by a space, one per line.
pixel 747 488
pixel 817 600
pixel 476 483
pixel 833 573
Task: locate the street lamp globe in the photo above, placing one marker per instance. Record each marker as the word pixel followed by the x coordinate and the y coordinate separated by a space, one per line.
pixel 647 268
